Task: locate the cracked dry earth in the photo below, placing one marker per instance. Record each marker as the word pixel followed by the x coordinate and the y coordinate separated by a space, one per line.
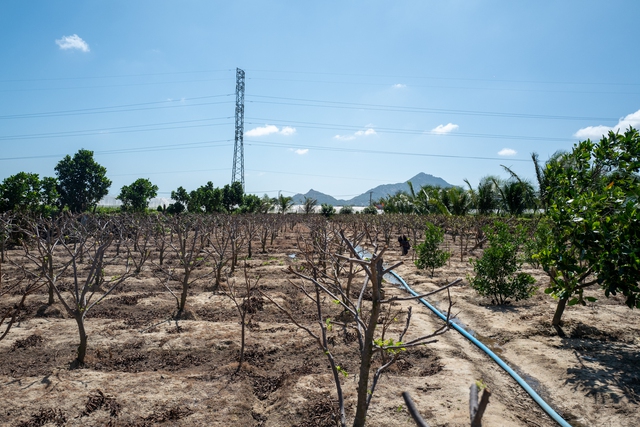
pixel 144 369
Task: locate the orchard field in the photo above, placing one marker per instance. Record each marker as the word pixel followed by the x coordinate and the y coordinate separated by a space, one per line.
pixel 163 347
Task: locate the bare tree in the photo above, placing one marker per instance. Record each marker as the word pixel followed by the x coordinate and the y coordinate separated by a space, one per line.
pixel 191 238
pixel 218 247
pixel 327 279
pixel 250 230
pixel 141 236
pixel 79 238
pixel 23 285
pixel 237 238
pixel 244 303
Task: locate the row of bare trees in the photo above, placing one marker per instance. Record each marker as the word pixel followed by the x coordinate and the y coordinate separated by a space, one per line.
pixel 340 271
pixel 82 259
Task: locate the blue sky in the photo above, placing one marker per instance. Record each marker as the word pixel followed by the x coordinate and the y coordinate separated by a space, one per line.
pixel 341 96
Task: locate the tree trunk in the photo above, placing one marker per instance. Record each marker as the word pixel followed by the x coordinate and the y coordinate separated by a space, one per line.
pixel 562 303
pixel 367 351
pixel 242 339
pixel 183 296
pixel 49 262
pixel 51 295
pixel 82 347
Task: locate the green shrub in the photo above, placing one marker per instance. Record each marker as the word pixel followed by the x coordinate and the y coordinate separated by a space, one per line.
pixel 497 273
pixel 327 210
pixel 370 210
pixel 346 210
pixel 538 240
pixel 430 256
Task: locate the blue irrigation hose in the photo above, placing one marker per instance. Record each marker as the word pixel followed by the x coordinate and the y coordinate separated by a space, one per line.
pixel 544 405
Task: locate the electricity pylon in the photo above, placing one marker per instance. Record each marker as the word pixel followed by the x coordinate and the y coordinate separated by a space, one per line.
pixel 237 173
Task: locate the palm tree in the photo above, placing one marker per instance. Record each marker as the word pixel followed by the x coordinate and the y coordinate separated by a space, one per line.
pixel 284 203
pixel 460 201
pixel 266 204
pixel 516 194
pixel 309 205
pixel 487 196
pixel 428 200
pixel 541 175
pixel 398 203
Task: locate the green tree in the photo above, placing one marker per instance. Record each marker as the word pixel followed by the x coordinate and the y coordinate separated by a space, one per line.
pixel 459 200
pixel 309 205
pixel 180 199
pixel 82 181
pixel 370 210
pixel 284 203
pixel 135 197
pixel 50 197
pixel 399 203
pixel 346 210
pixel 516 194
pixel 541 176
pixel 250 204
pixel 429 254
pixel 497 272
pixel 267 204
pixel 232 196
pixel 327 210
pixel 487 196
pixel 206 198
pixel 594 221
pixel 26 192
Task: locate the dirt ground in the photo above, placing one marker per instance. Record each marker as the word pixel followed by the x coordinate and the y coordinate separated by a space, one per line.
pixel 144 369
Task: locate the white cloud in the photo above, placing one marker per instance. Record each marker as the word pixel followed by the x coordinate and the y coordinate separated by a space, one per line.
pixel 269 129
pixel 344 137
pixel 368 131
pixel 302 151
pixel 507 152
pixel 597 132
pixel 443 129
pixel 72 42
pixel 399 86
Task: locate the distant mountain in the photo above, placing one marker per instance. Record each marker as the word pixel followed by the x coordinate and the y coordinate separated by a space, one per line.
pixel 298 199
pixel 375 193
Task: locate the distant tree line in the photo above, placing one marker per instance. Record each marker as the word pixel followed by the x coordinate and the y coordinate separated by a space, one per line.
pixel 493 195
pixel 80 183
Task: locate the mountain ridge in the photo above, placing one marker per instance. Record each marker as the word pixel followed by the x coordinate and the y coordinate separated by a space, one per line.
pixel 374 194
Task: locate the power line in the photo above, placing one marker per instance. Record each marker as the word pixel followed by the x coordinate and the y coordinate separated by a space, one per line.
pixel 313 175
pixel 120 129
pixel 386 153
pixel 169 172
pixel 114 76
pixel 452 78
pixel 394 76
pixel 316 125
pixel 379 107
pixel 108 86
pixel 387 84
pixel 202 144
pixel 113 108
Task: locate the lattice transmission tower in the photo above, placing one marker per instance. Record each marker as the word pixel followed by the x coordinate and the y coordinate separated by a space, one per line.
pixel 237 173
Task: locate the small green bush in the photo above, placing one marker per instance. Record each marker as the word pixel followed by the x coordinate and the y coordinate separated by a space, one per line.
pixel 430 256
pixel 370 210
pixel 327 210
pixel 497 273
pixel 346 210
